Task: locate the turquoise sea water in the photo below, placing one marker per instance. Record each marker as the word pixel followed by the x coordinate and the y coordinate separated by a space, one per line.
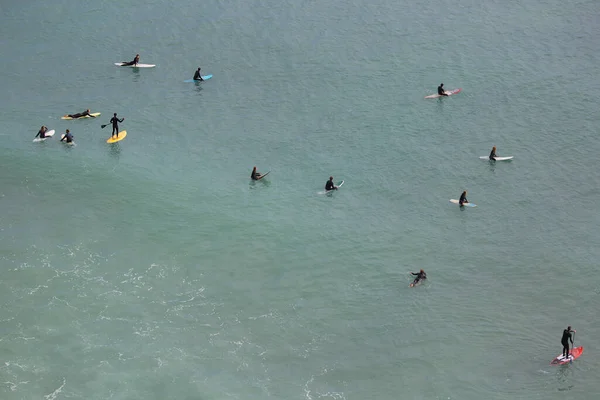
pixel 154 268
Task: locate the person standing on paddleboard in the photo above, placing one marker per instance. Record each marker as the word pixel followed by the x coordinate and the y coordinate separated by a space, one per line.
pixel 493 154
pixel 115 124
pixel 441 90
pixel 419 276
pixel 565 340
pixel 67 137
pixel 135 61
pixel 197 76
pixel 255 174
pixel 42 132
pixel 329 185
pixel 463 198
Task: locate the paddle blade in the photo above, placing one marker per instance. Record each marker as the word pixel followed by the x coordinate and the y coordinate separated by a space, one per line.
pixel 103 126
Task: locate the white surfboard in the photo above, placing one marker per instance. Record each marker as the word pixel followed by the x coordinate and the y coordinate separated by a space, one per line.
pixel 48 134
pixel 332 190
pixel 455 201
pixel 136 66
pixel 448 93
pixel 497 158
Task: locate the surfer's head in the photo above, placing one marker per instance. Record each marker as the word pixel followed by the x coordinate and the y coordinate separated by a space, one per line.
pixel 422 271
pixel 68 131
pixel 88 110
pixel 494 148
pixel 115 114
pixel 198 68
pixel 569 327
pixel 441 84
pixel 331 178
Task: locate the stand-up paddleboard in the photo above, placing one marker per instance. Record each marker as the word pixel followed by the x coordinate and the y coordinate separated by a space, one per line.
pixel 262 176
pixel 497 158
pixel 454 201
pixel 115 139
pixel 85 116
pixel 448 92
pixel 135 66
pixel 575 354
pixel 205 77
pixel 49 134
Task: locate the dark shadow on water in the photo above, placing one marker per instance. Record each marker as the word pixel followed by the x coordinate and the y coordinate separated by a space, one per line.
pixel 260 183
pixel 114 150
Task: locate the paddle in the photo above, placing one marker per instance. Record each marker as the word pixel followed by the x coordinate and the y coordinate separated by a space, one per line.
pixel 572 347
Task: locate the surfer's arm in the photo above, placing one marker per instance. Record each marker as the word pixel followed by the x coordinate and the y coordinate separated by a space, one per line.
pixel 121 120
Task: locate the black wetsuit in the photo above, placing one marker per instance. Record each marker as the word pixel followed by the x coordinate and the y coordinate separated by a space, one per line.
pixel 115 124
pixel 329 185
pixel 441 91
pixel 419 277
pixel 565 341
pixel 41 134
pixel 255 175
pixel 463 199
pixel 79 115
pixel 68 137
pixel 197 76
pixel 135 61
pixel 493 155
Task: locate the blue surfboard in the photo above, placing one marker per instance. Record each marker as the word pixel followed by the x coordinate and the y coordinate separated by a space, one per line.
pixel 205 77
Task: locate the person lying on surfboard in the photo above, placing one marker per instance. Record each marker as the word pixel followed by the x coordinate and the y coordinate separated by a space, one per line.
pixel 67 137
pixel 493 154
pixel 86 113
pixel 329 185
pixel 197 76
pixel 255 174
pixel 565 340
pixel 441 90
pixel 135 61
pixel 42 132
pixel 463 198
pixel 419 276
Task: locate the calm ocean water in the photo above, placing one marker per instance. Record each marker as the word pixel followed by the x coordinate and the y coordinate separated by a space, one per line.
pixel 154 268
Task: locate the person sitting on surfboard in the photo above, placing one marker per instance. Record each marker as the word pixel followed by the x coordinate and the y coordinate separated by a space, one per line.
pixel 81 114
pixel 115 124
pixel 42 132
pixel 419 276
pixel 565 340
pixel 135 61
pixel 441 90
pixel 329 185
pixel 255 174
pixel 463 198
pixel 67 136
pixel 197 76
pixel 493 154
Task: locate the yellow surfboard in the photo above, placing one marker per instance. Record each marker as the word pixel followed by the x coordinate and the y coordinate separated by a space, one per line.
pixel 87 116
pixel 116 139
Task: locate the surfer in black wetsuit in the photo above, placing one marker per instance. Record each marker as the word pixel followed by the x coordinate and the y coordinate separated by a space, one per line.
pixel 42 132
pixel 81 114
pixel 255 174
pixel 329 185
pixel 463 198
pixel 493 154
pixel 67 137
pixel 565 340
pixel 419 276
pixel 135 61
pixel 115 125
pixel 441 90
pixel 197 76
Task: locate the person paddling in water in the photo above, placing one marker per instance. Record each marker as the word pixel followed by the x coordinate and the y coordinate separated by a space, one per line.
pixel 67 137
pixel 86 113
pixel 463 199
pixel 135 61
pixel 115 125
pixel 441 90
pixel 329 185
pixel 493 154
pixel 419 277
pixel 565 340
pixel 197 76
pixel 42 132
pixel 255 174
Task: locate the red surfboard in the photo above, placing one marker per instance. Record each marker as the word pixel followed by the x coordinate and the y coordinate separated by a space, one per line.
pixel 573 355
